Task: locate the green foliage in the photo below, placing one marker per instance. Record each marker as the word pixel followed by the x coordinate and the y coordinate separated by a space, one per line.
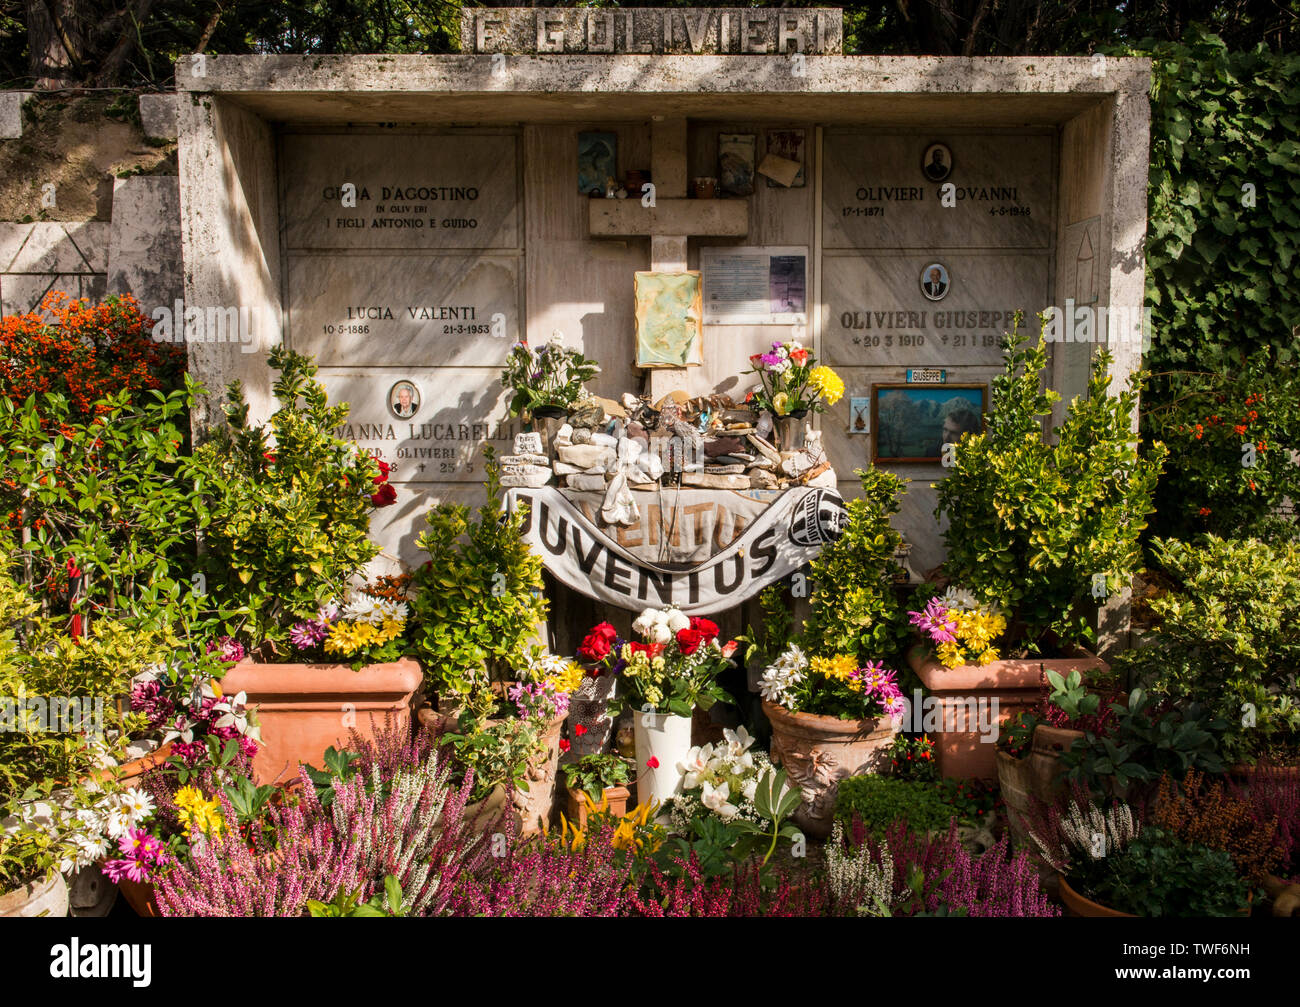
pixel 595 773
pixel 1144 743
pixel 476 603
pixel 879 801
pixel 1071 696
pixel 1157 874
pixel 1016 736
pixel 287 525
pixel 385 903
pixel 497 753
pixel 912 758
pixel 1032 522
pixel 1230 435
pixel 40 661
pixel 552 377
pixel 1228 635
pixel 764 644
pixel 110 494
pixel 1217 268
pixel 854 608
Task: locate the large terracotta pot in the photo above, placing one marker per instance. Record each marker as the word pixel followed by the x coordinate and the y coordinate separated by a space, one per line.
pixel 1080 905
pixel 662 741
pixel 961 748
pixel 140 897
pixel 303 709
pixel 45 897
pixel 1037 775
pixel 817 752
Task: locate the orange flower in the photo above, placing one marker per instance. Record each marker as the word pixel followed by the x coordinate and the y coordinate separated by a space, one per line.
pixel 1252 484
pixel 1203 511
pixel 1240 428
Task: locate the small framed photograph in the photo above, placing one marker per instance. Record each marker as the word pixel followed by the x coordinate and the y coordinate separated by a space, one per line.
pixel 912 423
pixel 404 400
pixel 936 162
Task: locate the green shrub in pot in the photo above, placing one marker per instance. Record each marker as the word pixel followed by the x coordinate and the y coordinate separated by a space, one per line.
pixel 1035 523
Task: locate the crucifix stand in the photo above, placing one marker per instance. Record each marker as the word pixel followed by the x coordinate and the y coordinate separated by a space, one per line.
pixel 670 223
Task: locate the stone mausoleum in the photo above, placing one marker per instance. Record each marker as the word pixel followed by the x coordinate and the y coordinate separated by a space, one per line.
pixel 407 219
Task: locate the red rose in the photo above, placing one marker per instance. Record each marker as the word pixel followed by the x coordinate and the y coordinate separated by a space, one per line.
pixel 653 650
pixel 705 627
pixel 652 762
pixel 384 469
pixel 594 648
pixel 564 744
pixel 689 640
pixel 605 631
pixel 579 730
pixel 384 496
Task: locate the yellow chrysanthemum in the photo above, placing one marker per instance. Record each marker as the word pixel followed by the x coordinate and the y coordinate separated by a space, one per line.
pixel 839 667
pixel 348 637
pixel 989 656
pixel 951 655
pixel 826 383
pixel 569 679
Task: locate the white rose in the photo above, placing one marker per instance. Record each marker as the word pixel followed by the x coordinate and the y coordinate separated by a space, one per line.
pixel 660 633
pixel 678 621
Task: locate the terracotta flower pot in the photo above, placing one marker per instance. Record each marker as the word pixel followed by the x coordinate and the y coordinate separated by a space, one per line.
pixel 140 897
pixel 580 804
pixel 532 808
pixel 817 752
pixel 1037 775
pixel 43 897
pixel 961 748
pixel 303 709
pixel 136 768
pixel 1079 905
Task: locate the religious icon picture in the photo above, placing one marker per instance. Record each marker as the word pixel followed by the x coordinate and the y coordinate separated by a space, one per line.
pixel 860 415
pixel 597 161
pixel 404 400
pixel 736 163
pixel 912 423
pixel 935 281
pixel 937 162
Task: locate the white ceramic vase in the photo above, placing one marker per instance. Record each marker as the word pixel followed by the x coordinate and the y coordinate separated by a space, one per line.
pixel 662 741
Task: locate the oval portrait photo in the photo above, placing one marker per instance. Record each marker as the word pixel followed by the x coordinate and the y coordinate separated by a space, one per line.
pixel 404 400
pixel 936 162
pixel 935 281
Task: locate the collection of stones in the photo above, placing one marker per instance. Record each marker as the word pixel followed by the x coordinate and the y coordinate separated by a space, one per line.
pixel 704 443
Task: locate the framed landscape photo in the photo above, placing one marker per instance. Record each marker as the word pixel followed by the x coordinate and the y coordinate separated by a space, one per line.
pixel 912 423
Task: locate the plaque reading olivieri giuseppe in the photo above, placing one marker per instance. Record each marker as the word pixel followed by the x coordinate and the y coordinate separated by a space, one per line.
pixel 404 400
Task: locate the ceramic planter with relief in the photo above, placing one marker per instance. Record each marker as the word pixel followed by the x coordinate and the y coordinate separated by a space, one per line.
pixel 817 752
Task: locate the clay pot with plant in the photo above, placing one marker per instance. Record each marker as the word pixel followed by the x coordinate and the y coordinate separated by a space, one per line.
pixel 597 782
pixel 1041 529
pixel 288 506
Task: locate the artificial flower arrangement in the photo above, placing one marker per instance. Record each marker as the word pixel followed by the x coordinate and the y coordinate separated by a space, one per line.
pixel 548 379
pixel 792 383
pixel 962 630
pixel 835 686
pixel 672 670
pixel 721 780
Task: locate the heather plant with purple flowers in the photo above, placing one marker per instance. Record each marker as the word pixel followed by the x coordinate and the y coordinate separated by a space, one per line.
pixel 944 877
pixel 400 814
